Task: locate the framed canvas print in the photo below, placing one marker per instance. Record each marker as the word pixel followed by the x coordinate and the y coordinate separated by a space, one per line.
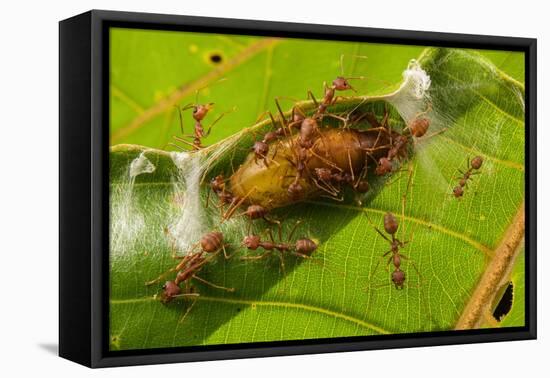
pixel 234 188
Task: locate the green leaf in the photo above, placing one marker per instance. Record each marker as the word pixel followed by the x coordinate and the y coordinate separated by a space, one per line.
pixel 454 241
pixel 516 316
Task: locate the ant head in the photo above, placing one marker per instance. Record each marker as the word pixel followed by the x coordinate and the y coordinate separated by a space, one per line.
pixel 251 241
pixel 342 84
pixel 458 191
pixel 390 223
pixel 362 186
pixel 200 111
pixel 384 166
pixel 169 290
pixel 297 116
pixel 260 148
pixel 476 162
pixel 217 181
pixel 398 278
pixel 323 173
pixel 295 190
pixel 309 124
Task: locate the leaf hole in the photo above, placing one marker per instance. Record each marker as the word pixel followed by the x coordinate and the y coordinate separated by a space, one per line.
pixel 505 304
pixel 216 58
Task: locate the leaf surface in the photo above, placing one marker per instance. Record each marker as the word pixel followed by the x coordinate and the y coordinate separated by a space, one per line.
pixel 340 292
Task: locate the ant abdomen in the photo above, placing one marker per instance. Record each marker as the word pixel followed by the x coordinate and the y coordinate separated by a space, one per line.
pixel 306 246
pixel 256 212
pixel 390 223
pixel 212 241
pixel 398 278
pixel 419 127
pixel 476 162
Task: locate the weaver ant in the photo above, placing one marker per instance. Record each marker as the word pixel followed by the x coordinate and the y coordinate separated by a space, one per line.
pixel 398 143
pixel 218 186
pixel 211 244
pixel 200 112
pixel 391 226
pixel 473 166
pixel 302 247
pixel 340 83
pixel 326 179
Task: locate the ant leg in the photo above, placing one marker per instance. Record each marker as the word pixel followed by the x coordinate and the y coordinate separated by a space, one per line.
pixel 227 257
pixel 185 141
pixel 413 265
pixel 213 123
pixel 298 222
pixel 186 295
pixel 310 95
pixel 159 278
pixel 270 234
pixel 188 309
pixel 208 197
pixel 181 118
pixel 257 257
pixel 377 230
pixel 334 198
pixel 190 252
pixel 371 275
pixel 283 267
pixel 343 119
pixel 230 289
pixel 235 206
pixel 325 160
pixel 281 114
pixel 434 133
pixel 404 197
pixel 274 221
pixel 329 189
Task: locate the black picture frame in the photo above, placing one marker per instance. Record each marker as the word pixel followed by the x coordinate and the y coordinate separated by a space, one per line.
pixel 84 192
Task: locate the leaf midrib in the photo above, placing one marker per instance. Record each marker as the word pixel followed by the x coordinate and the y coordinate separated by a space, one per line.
pixel 300 306
pixel 182 92
pixel 478 245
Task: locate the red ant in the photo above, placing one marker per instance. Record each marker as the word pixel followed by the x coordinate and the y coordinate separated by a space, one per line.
pixel 218 186
pixel 199 113
pixel 302 247
pixel 341 83
pixel 191 263
pixel 326 179
pixel 398 143
pixel 391 226
pixel 261 148
pixel 473 166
